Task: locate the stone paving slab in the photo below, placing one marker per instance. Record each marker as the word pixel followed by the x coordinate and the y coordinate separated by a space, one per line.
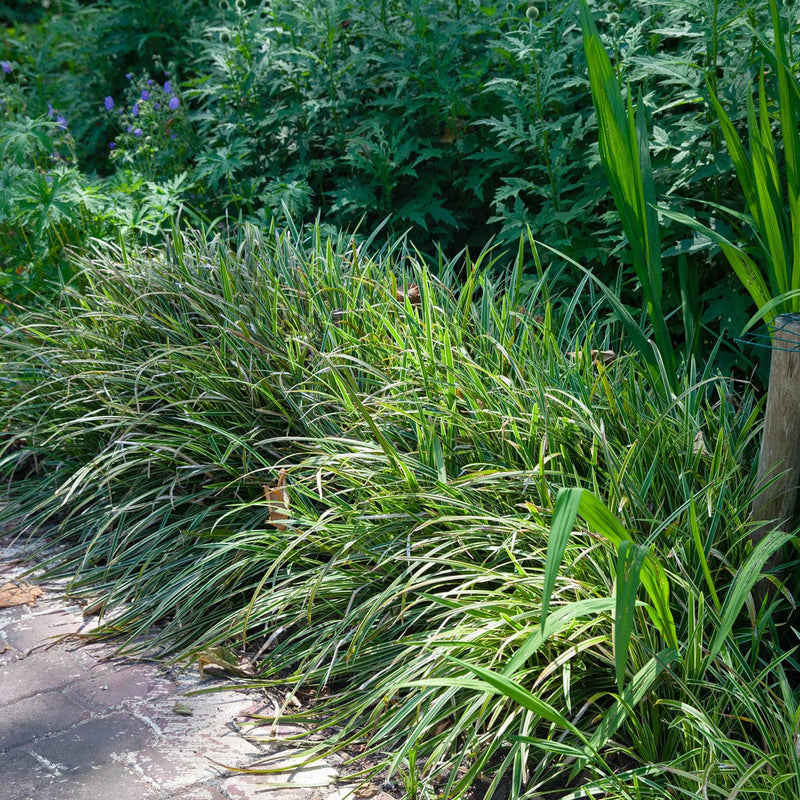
pixel 78 722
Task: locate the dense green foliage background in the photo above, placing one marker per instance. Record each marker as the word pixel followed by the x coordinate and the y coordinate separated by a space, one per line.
pixel 459 122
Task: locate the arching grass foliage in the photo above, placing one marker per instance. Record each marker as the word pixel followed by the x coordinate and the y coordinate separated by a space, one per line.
pixel 408 571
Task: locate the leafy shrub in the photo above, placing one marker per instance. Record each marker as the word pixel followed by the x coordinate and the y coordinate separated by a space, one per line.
pixel 458 122
pixel 79 53
pixel 48 208
pixel 153 134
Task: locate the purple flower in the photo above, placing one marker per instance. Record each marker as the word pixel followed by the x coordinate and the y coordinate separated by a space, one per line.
pixel 129 75
pixel 129 128
pixel 173 136
pixel 48 178
pixel 145 94
pixel 166 74
pixel 137 132
pixel 109 103
pixel 6 65
pixel 167 86
pixel 150 82
pixel 135 110
pixel 112 145
pixel 61 122
pixel 156 106
pixel 51 112
pixel 174 103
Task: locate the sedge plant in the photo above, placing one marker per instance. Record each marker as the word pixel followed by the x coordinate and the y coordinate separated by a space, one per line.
pixel 346 470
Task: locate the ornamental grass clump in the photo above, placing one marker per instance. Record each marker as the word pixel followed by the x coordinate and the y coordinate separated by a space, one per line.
pixel 347 467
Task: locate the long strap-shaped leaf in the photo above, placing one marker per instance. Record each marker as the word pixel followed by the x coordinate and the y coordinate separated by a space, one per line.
pixel 762 185
pixel 746 578
pixel 625 155
pixel 628 699
pixel 569 504
pixel 769 196
pixel 789 114
pixel 630 558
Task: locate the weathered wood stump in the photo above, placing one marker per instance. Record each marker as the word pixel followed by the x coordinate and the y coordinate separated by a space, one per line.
pixel 778 473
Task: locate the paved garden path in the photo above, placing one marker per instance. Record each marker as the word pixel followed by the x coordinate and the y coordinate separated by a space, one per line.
pixel 78 722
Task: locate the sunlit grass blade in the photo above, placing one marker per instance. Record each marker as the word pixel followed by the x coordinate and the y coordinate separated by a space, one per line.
pixel 564 514
pixel 625 154
pixel 601 520
pixel 640 684
pixel 701 553
pixel 491 681
pixel 746 578
pixel 629 566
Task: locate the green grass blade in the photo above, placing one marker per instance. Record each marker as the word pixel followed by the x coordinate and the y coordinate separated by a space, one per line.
pixel 769 201
pixel 629 566
pixel 556 620
pixel 495 682
pixel 790 138
pixel 769 310
pixel 639 685
pixel 625 154
pixel 601 520
pixel 564 514
pixel 745 268
pixel 571 502
pixel 746 578
pixel 701 553
pixel 738 154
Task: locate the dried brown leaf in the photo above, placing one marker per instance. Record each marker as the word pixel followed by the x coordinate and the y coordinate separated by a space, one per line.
pixel 277 498
pixel 597 356
pixel 94 608
pixel 219 662
pixel 411 294
pixel 19 593
pixel 699 445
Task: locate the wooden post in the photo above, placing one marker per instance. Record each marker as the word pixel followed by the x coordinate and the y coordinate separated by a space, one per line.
pixel 774 506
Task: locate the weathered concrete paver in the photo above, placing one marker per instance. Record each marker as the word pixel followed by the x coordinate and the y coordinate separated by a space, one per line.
pixel 78 722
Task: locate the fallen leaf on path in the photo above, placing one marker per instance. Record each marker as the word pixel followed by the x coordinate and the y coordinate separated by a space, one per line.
pixel 182 709
pixel 18 593
pixel 219 662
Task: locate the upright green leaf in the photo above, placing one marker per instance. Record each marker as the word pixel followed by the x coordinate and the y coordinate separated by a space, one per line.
pixel 570 503
pixel 566 509
pixel 629 698
pixel 777 227
pixel 625 155
pixel 746 578
pixel 629 566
